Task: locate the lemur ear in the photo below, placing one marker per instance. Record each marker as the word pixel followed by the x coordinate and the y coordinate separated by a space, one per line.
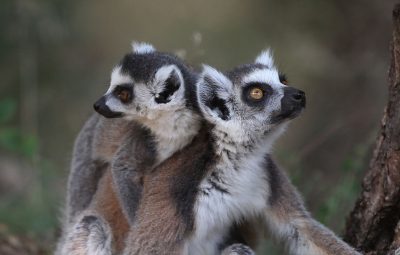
pixel 142 48
pixel 169 78
pixel 213 92
pixel 266 58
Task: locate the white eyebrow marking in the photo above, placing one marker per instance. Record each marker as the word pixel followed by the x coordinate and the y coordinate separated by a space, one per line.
pixel 117 78
pixel 269 76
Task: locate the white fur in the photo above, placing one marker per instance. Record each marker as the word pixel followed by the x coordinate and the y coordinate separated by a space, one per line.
pixel 172 123
pixel 114 104
pixel 173 130
pixel 145 95
pixel 269 76
pixel 302 245
pixel 266 58
pixel 223 87
pixel 245 180
pixel 117 78
pixel 241 146
pixel 164 73
pixel 224 84
pixel 100 239
pixel 83 238
pixel 142 48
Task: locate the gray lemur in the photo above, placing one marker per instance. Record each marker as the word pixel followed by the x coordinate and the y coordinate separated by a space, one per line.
pixel 153 111
pixel 226 178
pixel 150 106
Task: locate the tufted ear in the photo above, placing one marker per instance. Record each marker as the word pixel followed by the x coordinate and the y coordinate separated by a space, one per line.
pixel 169 78
pixel 213 92
pixel 266 58
pixel 142 48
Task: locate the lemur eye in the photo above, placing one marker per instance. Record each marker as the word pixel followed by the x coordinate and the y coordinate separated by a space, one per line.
pixel 256 93
pixel 124 95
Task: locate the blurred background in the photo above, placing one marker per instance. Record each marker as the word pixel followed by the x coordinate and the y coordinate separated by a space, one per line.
pixel 56 57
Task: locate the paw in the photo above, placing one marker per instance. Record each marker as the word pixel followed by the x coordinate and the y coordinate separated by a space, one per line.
pixel 238 249
pixel 99 235
pixel 90 235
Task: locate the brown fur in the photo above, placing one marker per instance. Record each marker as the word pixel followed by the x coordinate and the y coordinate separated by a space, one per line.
pixel 160 228
pixel 109 135
pixel 106 204
pixel 94 148
pixel 288 217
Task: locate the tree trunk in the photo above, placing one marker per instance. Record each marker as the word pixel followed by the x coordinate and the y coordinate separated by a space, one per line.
pixel 373 226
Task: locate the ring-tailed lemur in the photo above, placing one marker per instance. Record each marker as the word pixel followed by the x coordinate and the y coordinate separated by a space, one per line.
pixel 154 93
pixel 150 103
pixel 226 175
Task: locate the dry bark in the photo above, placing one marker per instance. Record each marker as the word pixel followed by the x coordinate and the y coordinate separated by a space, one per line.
pixel 373 225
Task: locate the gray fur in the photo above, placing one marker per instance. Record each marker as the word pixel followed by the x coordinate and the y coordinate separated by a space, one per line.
pixel 249 184
pixel 91 235
pixel 92 154
pixel 238 249
pixel 137 134
pixel 134 156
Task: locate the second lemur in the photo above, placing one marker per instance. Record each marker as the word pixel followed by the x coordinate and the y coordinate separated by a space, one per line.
pixel 226 176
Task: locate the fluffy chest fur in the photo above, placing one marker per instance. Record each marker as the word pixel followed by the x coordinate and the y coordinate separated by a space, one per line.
pixel 173 130
pixel 236 187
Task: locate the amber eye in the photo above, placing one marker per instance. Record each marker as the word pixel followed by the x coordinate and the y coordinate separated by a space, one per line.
pixel 124 95
pixel 256 93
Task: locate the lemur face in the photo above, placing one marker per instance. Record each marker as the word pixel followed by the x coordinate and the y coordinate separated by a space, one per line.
pixel 143 85
pixel 249 101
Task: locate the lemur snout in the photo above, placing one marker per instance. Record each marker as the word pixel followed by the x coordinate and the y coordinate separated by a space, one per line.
pixel 101 107
pixel 299 96
pixel 293 101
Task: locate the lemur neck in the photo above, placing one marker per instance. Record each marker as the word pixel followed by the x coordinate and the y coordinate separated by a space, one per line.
pixel 243 144
pixel 173 131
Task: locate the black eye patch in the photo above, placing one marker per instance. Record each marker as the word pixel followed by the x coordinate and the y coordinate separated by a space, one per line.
pixel 172 84
pixel 250 88
pixel 124 93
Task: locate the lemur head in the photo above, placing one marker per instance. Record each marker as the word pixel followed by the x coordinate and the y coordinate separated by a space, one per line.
pixel 146 83
pixel 249 102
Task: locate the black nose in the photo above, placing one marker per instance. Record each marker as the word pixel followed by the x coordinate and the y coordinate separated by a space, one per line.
pixel 292 103
pixel 101 107
pixel 96 106
pixel 296 96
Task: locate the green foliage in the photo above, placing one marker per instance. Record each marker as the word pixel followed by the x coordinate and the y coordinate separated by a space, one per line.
pixel 34 209
pixel 8 107
pixel 342 197
pixel 12 138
